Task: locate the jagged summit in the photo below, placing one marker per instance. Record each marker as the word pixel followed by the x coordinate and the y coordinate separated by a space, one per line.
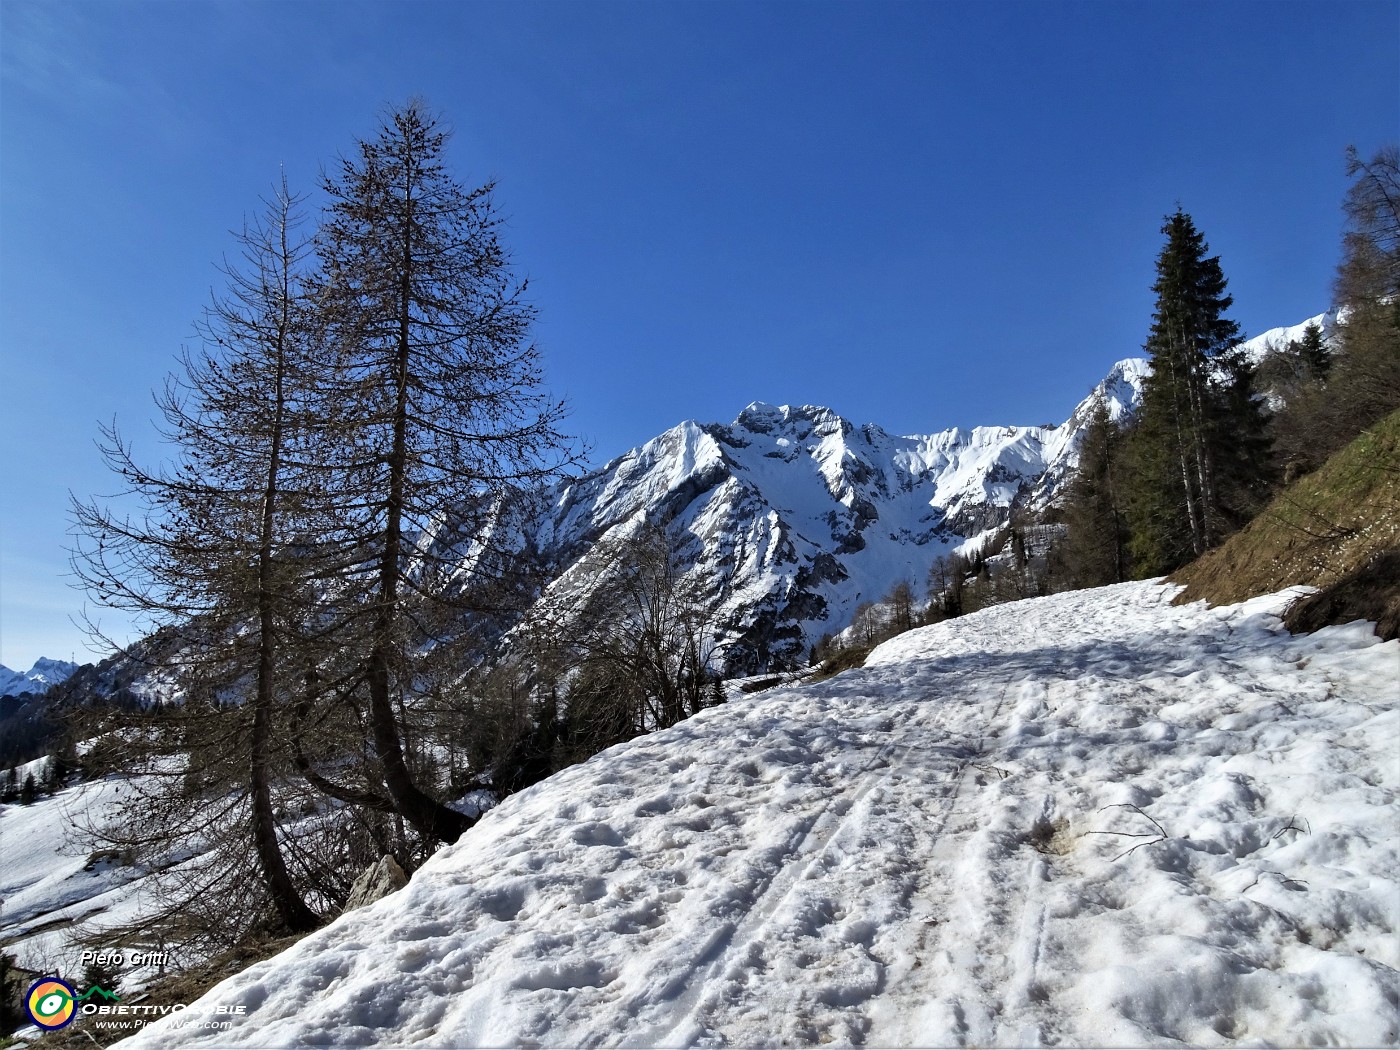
pixel 43 676
pixel 762 418
pixel 792 515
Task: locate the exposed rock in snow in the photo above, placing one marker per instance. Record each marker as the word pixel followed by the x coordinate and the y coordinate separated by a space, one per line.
pixel 376 882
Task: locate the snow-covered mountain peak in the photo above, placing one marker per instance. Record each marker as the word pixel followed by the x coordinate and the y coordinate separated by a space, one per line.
pixel 760 417
pixel 1121 389
pixel 808 514
pixel 43 676
pixel 1259 347
pixel 790 422
pixel 791 516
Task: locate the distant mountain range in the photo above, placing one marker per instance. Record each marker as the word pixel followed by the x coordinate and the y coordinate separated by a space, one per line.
pixel 791 516
pixel 43 676
pixel 786 519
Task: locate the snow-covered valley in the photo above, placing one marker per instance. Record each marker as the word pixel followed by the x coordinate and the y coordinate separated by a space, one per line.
pixel 1092 818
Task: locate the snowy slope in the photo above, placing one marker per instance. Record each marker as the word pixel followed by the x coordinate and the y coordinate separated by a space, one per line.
pixel 1260 346
pixel 52 889
pixel 1091 819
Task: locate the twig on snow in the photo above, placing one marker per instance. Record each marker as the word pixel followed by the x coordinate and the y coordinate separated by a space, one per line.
pixel 1161 835
pixel 1291 826
pixel 1284 879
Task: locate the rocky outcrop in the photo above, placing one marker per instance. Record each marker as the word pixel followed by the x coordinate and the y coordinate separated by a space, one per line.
pixel 378 880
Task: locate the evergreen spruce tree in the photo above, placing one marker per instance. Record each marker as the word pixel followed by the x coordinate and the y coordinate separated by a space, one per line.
pixel 1200 449
pixel 1313 353
pixel 1094 551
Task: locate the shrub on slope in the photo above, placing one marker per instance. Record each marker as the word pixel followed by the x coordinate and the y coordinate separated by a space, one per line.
pixel 1336 529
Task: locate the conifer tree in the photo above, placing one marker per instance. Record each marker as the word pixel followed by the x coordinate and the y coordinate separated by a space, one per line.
pixel 1094 551
pixel 206 552
pixel 1199 449
pixel 1313 353
pixel 437 397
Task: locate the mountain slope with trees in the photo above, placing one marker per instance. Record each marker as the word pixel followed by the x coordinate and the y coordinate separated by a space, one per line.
pixel 1223 425
pixel 1334 528
pixel 382 606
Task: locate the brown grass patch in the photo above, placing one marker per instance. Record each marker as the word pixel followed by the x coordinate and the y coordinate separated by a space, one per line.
pixel 1338 527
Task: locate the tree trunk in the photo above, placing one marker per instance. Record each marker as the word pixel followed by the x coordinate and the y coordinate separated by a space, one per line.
pixel 291 909
pixel 421 810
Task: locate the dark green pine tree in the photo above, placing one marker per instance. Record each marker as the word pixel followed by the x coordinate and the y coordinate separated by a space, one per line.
pixel 1095 548
pixel 1313 353
pixel 1200 449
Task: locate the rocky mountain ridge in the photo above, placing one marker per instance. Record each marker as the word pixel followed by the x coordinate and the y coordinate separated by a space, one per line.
pixel 43 676
pixel 787 518
pixel 791 516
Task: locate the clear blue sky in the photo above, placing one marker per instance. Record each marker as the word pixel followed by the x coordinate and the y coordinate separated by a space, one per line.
pixel 919 214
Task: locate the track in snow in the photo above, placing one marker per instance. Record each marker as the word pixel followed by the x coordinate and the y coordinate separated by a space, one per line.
pixel 923 852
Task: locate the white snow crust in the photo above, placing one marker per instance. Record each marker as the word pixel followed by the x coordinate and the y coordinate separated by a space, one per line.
pixel 1260 346
pixel 1087 819
pixel 54 893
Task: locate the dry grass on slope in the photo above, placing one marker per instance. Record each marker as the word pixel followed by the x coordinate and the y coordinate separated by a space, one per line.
pixel 1337 529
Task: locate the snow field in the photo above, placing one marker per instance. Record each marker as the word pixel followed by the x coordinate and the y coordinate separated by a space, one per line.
pixel 61 892
pixel 52 889
pixel 1092 819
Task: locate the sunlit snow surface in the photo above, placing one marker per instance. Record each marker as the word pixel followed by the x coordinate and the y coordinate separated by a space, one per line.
pixel 57 896
pixel 932 851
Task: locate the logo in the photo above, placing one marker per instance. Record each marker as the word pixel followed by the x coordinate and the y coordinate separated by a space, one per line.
pixel 111 997
pixel 50 1003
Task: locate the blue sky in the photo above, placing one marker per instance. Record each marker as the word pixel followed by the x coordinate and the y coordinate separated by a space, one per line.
pixel 919 214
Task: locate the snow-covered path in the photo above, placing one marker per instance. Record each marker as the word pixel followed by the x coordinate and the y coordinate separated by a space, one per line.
pixel 1088 819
